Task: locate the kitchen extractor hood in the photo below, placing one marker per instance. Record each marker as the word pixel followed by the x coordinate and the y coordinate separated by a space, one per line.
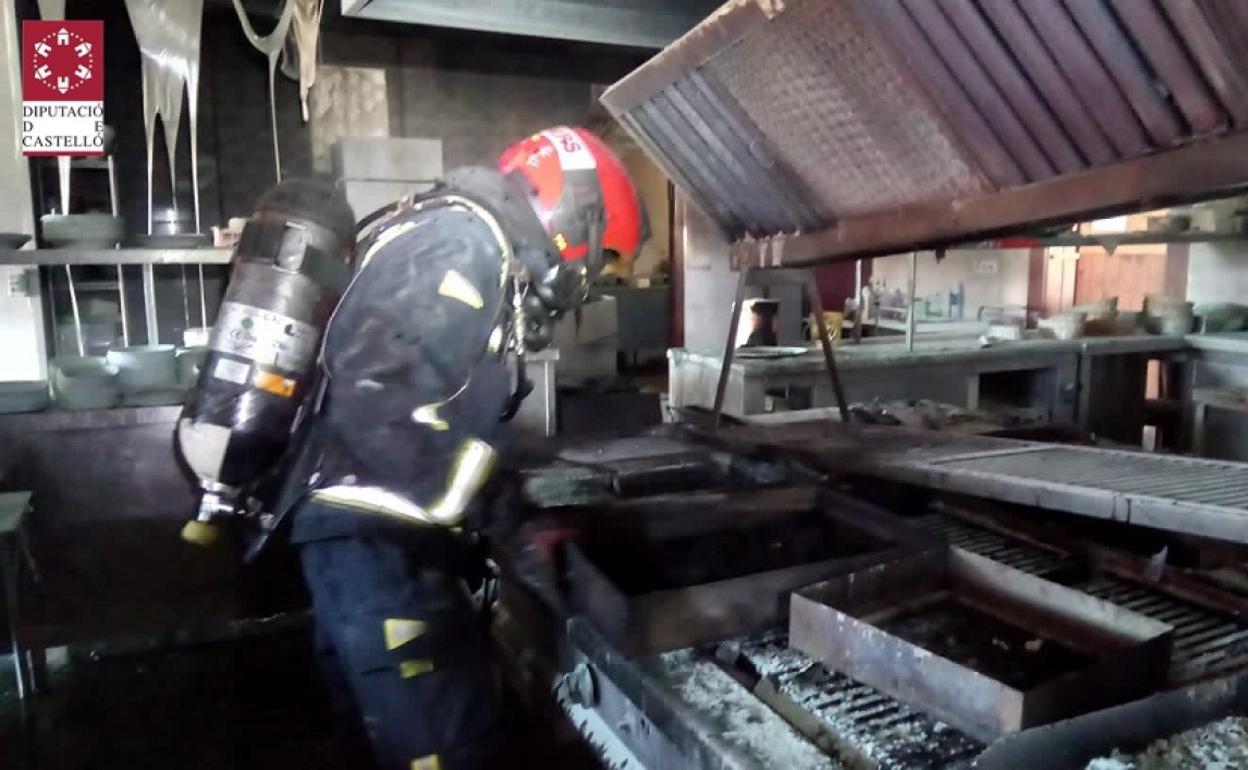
pixel 825 129
pixel 639 23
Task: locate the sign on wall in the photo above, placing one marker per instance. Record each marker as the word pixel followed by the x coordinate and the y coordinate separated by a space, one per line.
pixel 63 88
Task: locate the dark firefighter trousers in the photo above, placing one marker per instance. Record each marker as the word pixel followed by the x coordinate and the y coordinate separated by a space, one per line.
pixel 410 647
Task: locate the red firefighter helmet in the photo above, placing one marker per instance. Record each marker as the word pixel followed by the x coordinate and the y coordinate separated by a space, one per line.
pixel 581 193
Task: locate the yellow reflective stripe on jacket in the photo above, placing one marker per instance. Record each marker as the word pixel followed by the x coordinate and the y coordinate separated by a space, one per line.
pixel 469 472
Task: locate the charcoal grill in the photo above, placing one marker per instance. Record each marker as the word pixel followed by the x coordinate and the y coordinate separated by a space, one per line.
pixel 689 569
pixel 954 633
pixel 1210 627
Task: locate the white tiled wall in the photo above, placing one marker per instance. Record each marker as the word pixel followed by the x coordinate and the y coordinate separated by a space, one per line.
pixel 1217 272
pixel 990 277
pixel 22 354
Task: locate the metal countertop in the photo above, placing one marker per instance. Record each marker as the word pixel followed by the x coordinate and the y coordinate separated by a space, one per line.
pixel 946 351
pixel 119 417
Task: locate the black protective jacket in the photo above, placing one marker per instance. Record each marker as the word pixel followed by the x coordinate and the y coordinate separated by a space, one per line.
pixel 421 327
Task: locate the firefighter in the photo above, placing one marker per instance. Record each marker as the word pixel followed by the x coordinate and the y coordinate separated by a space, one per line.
pixel 386 487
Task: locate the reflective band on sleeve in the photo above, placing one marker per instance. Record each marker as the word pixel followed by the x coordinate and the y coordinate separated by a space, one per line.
pixel 409 669
pixel 373 500
pixel 400 631
pixel 428 415
pixel 469 472
pixel 455 286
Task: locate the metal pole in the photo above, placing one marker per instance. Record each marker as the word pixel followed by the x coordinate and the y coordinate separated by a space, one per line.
pixel 816 304
pixel 186 302
pixel 914 271
pixel 121 273
pixel 121 299
pixel 73 302
pixel 203 300
pixel 149 304
pixel 8 575
pixel 860 305
pixel 729 346
pixel 112 187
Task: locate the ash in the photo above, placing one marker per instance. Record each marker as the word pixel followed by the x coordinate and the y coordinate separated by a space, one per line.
pixel 1221 745
pixel 867 727
pixel 739 719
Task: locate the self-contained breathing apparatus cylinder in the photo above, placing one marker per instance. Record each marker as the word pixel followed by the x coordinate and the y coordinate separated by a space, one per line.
pixel 291 266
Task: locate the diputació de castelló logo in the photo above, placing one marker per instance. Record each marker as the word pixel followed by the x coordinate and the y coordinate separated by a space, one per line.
pixel 63 88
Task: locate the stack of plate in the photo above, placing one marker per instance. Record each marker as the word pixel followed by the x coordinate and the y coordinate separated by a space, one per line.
pixel 84 382
pixel 147 374
pixel 1129 322
pixel 1167 315
pixel 1222 316
pixel 172 241
pixel 82 231
pixel 1100 316
pixel 1067 326
pixel 13 240
pixel 24 396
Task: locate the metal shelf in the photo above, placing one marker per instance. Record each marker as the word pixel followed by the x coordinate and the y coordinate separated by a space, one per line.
pixel 1104 240
pixel 115 257
pixel 96 285
pixel 95 164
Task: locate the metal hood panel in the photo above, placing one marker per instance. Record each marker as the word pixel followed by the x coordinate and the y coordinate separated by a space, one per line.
pixel 819 129
pixel 639 23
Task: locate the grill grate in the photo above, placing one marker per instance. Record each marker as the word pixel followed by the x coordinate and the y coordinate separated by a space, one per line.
pixel 1003 549
pixel 1194 481
pixel 1179 494
pixel 863 723
pixel 1206 643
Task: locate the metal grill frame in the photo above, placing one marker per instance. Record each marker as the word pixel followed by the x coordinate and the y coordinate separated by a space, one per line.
pixel 1180 508
pixel 952 463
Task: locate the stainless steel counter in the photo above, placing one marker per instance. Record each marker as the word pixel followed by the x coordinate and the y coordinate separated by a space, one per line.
pixel 956 371
pixel 57 419
pixel 1228 342
pixel 115 256
pixel 1062 377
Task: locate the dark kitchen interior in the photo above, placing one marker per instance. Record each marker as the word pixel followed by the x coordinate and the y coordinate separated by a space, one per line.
pixel 808 385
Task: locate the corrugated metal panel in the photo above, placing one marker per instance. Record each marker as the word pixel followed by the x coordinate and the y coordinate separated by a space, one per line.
pixel 641 23
pixel 862 126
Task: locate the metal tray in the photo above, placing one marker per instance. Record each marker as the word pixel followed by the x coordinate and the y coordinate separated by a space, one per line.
pixel 689 569
pixel 986 648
